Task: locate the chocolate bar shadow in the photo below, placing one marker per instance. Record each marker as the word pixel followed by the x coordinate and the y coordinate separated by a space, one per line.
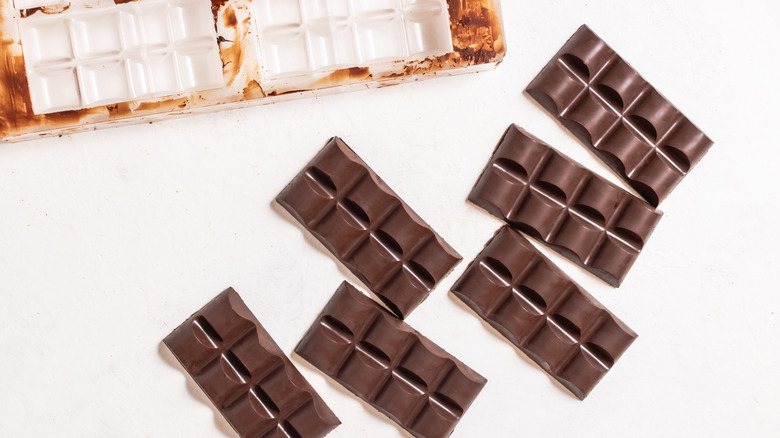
pixel 504 340
pixel 303 363
pixel 315 243
pixel 195 390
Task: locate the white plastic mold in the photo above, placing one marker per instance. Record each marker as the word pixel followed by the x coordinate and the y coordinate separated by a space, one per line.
pixel 76 65
pixel 298 37
pixel 115 54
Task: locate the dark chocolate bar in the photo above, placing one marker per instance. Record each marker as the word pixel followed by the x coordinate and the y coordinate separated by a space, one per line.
pixel 390 365
pixel 543 312
pixel 546 194
pixel 368 227
pixel 245 374
pixel 606 104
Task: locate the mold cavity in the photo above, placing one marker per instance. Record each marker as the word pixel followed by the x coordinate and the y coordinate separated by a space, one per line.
pixel 603 358
pixel 610 95
pixel 422 277
pixel 320 182
pixel 355 213
pixel 445 406
pixel 576 65
pixel 496 271
pixel 335 330
pixel 372 356
pixel 644 126
pixel 532 298
pixel 205 333
pixel 413 384
pixel 564 327
pixel 388 243
pixel 551 190
pixel 511 170
pixel 678 158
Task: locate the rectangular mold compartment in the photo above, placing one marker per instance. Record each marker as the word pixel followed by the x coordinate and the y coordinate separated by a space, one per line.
pixel 87 64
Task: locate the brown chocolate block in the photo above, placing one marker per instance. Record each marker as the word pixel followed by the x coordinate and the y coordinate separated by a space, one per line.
pixel 244 373
pixel 390 365
pixel 523 295
pixel 546 194
pixel 368 227
pixel 606 104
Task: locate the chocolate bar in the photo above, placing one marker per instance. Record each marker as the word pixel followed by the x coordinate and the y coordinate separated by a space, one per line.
pixel 524 296
pixel 390 365
pixel 340 200
pixel 606 104
pixel 576 212
pixel 246 375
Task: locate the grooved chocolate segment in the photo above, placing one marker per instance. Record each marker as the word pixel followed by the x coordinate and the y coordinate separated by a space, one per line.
pixel 390 365
pixel 248 378
pixel 579 214
pixel 543 312
pixel 606 104
pixel 368 227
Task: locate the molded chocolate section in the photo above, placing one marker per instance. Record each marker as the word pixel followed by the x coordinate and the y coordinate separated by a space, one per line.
pixel 246 375
pixel 607 105
pixel 523 295
pixel 340 200
pixel 390 365
pixel 576 212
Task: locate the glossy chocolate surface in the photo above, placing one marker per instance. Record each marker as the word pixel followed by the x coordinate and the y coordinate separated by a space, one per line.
pixel 607 105
pixel 340 200
pixel 542 311
pixel 244 373
pixel 546 194
pixel 390 365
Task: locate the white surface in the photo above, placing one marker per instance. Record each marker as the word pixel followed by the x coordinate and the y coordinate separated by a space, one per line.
pixel 80 59
pixel 110 239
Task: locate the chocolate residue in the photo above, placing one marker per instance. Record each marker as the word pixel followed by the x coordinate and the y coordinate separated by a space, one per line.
pixel 253 90
pixel 283 93
pixel 230 17
pixel 48 10
pixel 339 77
pixel 232 52
pixel 476 30
pixel 216 5
pixel 14 93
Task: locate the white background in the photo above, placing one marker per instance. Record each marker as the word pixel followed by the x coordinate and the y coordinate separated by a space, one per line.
pixel 110 239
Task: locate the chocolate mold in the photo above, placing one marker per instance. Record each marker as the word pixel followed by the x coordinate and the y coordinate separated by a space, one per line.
pixel 109 55
pixel 302 36
pixel 86 64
